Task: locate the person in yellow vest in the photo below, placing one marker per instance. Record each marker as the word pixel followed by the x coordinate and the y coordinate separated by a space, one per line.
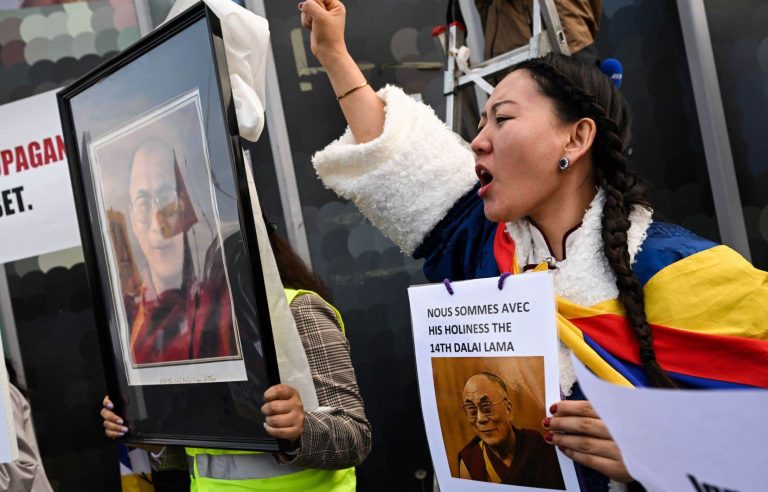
pixel 327 443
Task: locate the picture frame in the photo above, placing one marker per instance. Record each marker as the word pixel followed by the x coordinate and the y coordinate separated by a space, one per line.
pixel 169 240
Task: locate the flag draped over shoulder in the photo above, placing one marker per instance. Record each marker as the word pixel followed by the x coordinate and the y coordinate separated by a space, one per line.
pixel 708 312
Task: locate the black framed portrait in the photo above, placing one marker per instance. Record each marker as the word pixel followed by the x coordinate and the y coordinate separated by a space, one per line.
pixel 168 234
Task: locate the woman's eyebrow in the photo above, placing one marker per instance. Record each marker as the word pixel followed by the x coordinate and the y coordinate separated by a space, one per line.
pixel 495 106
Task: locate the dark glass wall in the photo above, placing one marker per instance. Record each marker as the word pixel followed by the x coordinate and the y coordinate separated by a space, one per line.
pixel 44 48
pixel 645 35
pixel 739 32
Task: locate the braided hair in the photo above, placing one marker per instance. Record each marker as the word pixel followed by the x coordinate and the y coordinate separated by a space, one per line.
pixel 579 90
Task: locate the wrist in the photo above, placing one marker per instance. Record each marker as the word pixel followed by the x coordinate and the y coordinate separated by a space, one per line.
pixel 289 455
pixel 294 451
pixel 333 56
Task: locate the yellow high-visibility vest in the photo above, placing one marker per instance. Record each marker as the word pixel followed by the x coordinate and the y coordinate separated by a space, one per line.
pixel 220 470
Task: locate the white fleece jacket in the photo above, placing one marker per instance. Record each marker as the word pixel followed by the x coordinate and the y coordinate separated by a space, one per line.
pixel 408 178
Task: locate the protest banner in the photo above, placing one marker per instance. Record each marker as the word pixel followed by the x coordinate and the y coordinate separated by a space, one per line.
pixel 37 210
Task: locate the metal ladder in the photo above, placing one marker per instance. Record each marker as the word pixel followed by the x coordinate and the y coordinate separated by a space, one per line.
pixel 455 81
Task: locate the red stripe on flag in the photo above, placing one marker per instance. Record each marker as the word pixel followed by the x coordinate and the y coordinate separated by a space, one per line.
pixel 504 249
pixel 724 358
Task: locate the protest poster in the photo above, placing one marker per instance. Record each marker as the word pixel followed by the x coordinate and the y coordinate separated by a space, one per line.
pixel 684 440
pixel 487 363
pixel 37 210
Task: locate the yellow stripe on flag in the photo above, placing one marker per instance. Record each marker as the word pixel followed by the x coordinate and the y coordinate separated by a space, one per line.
pixel 572 337
pixel 715 291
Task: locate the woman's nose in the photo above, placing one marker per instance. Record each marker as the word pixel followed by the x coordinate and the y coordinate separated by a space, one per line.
pixel 480 144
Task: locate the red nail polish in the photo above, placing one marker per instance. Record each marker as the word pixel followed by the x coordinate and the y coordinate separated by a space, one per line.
pixel 553 408
pixel 548 437
pixel 301 5
pixel 545 422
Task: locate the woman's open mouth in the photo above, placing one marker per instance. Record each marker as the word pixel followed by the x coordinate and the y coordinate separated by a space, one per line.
pixel 485 178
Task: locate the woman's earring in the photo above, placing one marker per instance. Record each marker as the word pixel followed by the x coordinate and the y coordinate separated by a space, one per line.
pixel 564 163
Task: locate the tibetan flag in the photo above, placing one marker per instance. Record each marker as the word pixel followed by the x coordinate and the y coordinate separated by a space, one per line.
pixel 706 305
pixel 709 318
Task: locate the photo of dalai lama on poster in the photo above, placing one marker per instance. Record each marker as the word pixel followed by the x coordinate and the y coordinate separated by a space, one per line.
pixel 163 237
pixel 490 411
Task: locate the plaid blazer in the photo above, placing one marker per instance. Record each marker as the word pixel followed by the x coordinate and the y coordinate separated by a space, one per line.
pixel 337 434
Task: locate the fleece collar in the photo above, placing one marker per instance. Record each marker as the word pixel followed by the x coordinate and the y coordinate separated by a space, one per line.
pixel 584 277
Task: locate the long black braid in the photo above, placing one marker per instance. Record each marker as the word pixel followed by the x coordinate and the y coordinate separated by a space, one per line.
pixel 579 90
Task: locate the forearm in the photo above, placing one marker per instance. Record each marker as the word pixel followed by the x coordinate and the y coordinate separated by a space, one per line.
pixel 334 440
pixel 362 108
pixel 336 434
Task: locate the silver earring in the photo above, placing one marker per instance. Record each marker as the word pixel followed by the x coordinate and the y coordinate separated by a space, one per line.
pixel 564 163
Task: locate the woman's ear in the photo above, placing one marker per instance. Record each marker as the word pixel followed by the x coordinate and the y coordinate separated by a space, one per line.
pixel 581 135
